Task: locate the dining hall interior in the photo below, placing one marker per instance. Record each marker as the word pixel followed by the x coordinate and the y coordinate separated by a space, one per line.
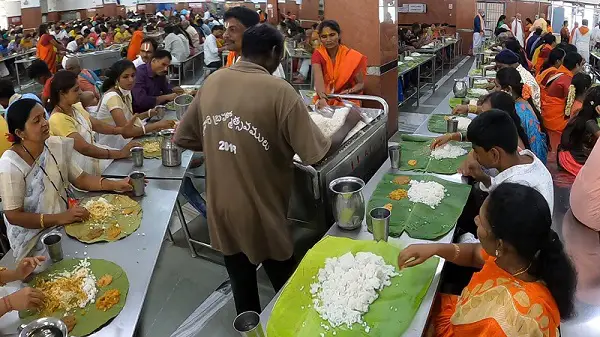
pixel 420 168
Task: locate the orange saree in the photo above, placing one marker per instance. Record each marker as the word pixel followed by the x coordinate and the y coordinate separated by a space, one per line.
pixel 45 51
pixel 497 304
pixel 341 75
pixel 542 57
pixel 134 45
pixel 553 108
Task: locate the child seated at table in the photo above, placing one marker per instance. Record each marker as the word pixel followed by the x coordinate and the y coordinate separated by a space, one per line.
pixel 495 149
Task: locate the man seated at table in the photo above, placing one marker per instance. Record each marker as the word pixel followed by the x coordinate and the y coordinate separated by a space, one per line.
pixel 494 137
pixel 149 45
pixel 87 80
pixel 249 233
pixel 152 86
pixel 76 45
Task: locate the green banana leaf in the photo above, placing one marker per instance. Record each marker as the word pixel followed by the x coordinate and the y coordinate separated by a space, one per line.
pixel 437 123
pixel 151 154
pixel 454 101
pixel 472 94
pixel 419 220
pixel 476 72
pixel 89 319
pixel 128 223
pixel 418 148
pixel 389 315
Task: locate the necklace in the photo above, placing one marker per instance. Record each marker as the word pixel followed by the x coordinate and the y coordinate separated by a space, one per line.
pixel 522 271
pixel 47 176
pixel 76 119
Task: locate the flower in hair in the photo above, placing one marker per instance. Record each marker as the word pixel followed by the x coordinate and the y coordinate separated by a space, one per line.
pixel 10 137
pixel 526 92
pixel 591 102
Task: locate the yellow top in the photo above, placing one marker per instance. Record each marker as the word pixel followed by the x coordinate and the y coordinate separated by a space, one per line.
pixel 4 143
pixel 119 38
pixel 127 35
pixel 63 125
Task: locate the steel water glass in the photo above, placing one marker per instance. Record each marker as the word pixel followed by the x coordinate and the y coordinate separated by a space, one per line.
pixel 380 223
pixel 138 180
pixel 452 125
pixel 137 155
pixel 348 202
pixel 394 152
pixel 53 242
pixel 248 324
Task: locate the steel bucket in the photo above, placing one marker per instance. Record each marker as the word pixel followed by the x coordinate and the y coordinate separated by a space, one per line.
pixel 348 202
pixel 182 102
pixel 460 88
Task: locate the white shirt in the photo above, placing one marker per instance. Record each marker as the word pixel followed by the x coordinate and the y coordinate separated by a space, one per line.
pixel 72 46
pixel 138 61
pixel 534 175
pixel 193 33
pixel 211 51
pixel 206 15
pixel 176 47
pixel 596 35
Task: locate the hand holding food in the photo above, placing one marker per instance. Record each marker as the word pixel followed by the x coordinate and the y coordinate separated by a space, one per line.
pixel 27 265
pixel 26 298
pixel 121 185
pixel 178 90
pixel 166 124
pixel 321 103
pixel 74 214
pixel 460 109
pixel 441 140
pixel 415 254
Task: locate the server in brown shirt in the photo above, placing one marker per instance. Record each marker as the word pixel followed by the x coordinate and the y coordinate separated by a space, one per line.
pixel 249 125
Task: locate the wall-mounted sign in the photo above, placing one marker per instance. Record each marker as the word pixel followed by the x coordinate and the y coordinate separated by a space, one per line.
pixel 412 8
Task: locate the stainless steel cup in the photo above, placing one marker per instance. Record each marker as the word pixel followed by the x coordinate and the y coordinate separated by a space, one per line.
pixel 380 222
pixel 248 324
pixel 137 155
pixel 53 242
pixel 394 152
pixel 452 125
pixel 138 182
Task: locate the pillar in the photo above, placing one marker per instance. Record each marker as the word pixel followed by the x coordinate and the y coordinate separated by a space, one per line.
pixel 272 13
pixel 465 14
pixel 31 14
pixel 370 27
pixel 309 10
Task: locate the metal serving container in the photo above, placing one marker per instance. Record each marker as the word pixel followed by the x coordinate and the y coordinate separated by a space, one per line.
pixel 182 102
pixel 348 202
pixel 171 153
pixel 360 157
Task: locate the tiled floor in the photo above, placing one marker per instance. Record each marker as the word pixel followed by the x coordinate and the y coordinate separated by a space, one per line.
pixel 186 289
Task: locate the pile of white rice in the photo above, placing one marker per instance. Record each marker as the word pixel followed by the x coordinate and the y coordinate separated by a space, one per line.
pixel 447 151
pixel 479 91
pixel 463 123
pixel 429 193
pixel 347 285
pixel 329 126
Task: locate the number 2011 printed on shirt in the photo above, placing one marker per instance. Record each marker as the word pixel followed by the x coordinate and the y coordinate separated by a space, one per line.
pixel 225 146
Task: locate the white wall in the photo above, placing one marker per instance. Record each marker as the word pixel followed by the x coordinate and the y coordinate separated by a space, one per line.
pixel 30 3
pixel 10 8
pixel 68 5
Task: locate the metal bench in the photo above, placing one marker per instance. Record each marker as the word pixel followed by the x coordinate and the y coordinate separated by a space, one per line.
pixel 181 67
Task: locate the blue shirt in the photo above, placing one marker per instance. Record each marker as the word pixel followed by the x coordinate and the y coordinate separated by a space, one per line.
pixel 476 24
pixel 147 88
pixel 33 97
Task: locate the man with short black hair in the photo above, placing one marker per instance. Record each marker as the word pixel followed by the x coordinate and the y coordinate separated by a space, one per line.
pixel 237 20
pixel 495 140
pixel 152 86
pixel 39 72
pixel 249 134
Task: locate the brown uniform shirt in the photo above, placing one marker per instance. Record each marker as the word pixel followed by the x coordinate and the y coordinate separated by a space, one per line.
pixel 249 125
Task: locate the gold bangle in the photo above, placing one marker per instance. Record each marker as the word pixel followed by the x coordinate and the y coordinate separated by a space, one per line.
pixel 456 252
pixel 101 179
pixel 42 220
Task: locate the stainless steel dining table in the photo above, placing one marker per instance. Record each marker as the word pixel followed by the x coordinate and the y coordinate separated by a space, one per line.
pixel 136 254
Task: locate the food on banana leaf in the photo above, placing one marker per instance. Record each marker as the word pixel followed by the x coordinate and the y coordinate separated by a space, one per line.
pixel 151 148
pixel 398 194
pixel 113 217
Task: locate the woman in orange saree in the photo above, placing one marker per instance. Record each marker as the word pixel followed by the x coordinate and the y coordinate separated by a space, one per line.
pixel 47 47
pixel 526 283
pixel 543 52
pixel 136 43
pixel 337 68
